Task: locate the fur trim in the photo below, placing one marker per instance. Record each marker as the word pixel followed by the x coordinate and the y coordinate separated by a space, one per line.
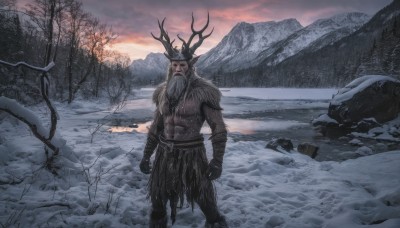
pixel 159 90
pixel 204 91
pixel 198 89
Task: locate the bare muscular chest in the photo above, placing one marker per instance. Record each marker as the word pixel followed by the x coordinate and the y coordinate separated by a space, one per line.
pixel 184 122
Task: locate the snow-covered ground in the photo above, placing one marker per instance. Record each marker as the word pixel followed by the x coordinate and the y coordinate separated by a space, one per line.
pixel 100 185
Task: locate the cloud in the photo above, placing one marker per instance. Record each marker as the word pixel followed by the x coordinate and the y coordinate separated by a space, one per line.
pixel 134 20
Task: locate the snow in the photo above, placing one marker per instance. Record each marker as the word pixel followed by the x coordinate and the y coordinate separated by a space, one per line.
pixel 258 188
pixel 358 85
pixel 43 69
pixel 280 93
pixel 325 119
pixel 244 42
pixel 386 132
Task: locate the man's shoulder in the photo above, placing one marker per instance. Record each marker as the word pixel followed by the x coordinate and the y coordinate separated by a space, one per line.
pixel 206 92
pixel 205 85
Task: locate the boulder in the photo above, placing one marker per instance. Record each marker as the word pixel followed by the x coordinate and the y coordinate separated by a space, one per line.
pixel 280 143
pixel 308 149
pixel 371 96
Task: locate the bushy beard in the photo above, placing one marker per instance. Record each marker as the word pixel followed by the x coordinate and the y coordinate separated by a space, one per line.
pixel 175 88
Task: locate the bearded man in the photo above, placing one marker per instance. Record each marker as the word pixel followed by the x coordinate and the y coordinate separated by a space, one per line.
pixel 184 102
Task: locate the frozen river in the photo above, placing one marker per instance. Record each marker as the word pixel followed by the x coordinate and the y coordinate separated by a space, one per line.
pixel 254 114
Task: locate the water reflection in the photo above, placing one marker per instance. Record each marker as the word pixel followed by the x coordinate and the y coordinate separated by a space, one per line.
pixel 248 127
pixel 242 126
pixel 140 128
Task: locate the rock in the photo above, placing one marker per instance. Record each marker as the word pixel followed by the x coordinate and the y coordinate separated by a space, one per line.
pixel 133 125
pixel 356 142
pixel 364 150
pixel 395 132
pixel 308 149
pixel 365 125
pixel 282 143
pixel 325 120
pixel 274 221
pixel 380 147
pixel 371 96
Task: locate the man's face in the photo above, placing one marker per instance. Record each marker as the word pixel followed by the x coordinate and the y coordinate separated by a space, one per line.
pixel 179 68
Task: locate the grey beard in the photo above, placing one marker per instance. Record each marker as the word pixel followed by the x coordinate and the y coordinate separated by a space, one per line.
pixel 175 87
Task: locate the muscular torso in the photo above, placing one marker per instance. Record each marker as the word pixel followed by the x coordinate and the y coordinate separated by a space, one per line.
pixel 185 123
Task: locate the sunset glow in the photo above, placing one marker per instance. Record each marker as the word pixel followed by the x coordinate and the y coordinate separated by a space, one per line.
pixel 134 20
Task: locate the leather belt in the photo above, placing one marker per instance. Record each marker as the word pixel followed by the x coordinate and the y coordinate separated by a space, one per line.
pixel 171 144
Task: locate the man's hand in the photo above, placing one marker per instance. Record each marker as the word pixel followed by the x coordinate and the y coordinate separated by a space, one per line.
pixel 145 166
pixel 214 169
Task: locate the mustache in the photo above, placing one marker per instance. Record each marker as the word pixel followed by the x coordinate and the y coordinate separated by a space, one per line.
pixel 178 73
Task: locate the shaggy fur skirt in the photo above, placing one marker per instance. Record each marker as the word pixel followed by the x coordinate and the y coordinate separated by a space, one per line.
pixel 179 170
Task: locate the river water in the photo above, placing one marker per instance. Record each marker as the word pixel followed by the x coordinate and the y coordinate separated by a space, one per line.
pixel 264 116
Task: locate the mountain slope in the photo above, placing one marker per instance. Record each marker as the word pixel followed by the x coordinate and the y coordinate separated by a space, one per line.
pixel 244 42
pixel 153 67
pixel 317 34
pixel 372 49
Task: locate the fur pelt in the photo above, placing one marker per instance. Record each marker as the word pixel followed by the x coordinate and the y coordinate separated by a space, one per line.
pixel 180 172
pixel 198 88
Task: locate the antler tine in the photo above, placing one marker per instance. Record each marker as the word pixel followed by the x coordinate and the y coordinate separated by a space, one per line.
pixel 199 33
pixel 183 41
pixel 201 39
pixel 164 38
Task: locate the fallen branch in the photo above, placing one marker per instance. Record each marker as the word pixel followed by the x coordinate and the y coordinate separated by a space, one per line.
pixel 23 114
pixel 16 110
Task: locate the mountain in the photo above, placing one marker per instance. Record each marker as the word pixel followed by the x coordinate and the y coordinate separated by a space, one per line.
pixel 243 43
pixel 315 36
pixel 152 68
pixel 372 49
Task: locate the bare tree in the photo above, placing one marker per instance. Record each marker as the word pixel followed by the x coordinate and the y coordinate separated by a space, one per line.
pixel 77 20
pixel 97 37
pixel 44 13
pixel 118 82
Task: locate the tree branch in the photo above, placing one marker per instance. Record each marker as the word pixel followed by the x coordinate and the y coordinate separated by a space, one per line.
pixel 44 69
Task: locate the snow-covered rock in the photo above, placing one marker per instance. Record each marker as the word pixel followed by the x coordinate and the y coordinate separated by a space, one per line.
pixel 370 96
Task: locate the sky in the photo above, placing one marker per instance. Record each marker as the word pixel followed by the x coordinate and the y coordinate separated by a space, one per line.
pixel 134 20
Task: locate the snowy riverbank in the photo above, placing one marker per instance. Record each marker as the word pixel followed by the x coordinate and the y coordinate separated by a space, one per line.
pixel 100 184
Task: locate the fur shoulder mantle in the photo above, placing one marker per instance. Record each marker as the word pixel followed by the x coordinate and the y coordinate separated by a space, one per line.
pixel 205 92
pixel 199 89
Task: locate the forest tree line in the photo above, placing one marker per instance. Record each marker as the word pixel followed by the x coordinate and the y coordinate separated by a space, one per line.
pixel 60 31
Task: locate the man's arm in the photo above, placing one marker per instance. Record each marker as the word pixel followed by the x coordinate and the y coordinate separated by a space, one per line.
pixel 152 140
pixel 218 140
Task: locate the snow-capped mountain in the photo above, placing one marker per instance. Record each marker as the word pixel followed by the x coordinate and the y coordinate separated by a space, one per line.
pixel 151 67
pixel 316 35
pixel 267 43
pixel 243 44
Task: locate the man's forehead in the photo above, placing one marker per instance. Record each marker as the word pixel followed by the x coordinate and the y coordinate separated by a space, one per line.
pixel 179 61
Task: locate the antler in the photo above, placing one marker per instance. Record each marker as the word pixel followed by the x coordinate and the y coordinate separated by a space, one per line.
pixel 186 49
pixel 164 39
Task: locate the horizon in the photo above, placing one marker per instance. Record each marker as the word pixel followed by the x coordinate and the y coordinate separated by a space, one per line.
pixel 134 39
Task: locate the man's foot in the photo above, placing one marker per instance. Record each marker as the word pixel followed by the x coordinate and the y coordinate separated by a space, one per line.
pixel 158 220
pixel 219 223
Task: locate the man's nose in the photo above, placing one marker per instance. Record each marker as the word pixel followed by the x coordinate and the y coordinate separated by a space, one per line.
pixel 178 68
